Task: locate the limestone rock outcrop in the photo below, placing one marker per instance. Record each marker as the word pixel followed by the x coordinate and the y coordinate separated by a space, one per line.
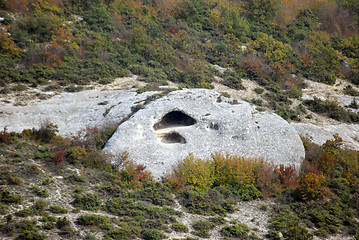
pixel 202 122
pixel 72 112
pixel 319 134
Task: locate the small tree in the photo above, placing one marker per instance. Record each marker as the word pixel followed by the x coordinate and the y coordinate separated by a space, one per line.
pixel 46 132
pixel 196 172
pixel 312 186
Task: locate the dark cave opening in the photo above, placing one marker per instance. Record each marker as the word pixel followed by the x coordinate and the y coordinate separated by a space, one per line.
pixel 174 118
pixel 173 137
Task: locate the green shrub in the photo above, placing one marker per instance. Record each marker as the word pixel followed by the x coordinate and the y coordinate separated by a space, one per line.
pixel 76 178
pixel 187 238
pixel 353 104
pixel 258 90
pixel 297 233
pixel 7 177
pixel 46 132
pixel 3 209
pixel 100 221
pixel 237 231
pixel 349 90
pixel 119 234
pixel 258 101
pixel 48 180
pixel 332 110
pixel 79 189
pixel 157 194
pixel 7 197
pixel 179 227
pixel 24 212
pixel 294 93
pixel 329 78
pixel 195 202
pixel 273 235
pixel 201 233
pixel 28 231
pixel 87 201
pixel 217 220
pixel 152 234
pixel 282 218
pixel 77 154
pixel 90 237
pixel 19 88
pixel 64 225
pixel 203 225
pixel 39 206
pixel 40 153
pixel 233 80
pixel 40 192
pixel 58 209
pixel 225 94
pixel 74 88
pixel 49 222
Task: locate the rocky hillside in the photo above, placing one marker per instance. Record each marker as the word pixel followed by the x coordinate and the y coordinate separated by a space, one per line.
pixel 72 72
pixel 53 188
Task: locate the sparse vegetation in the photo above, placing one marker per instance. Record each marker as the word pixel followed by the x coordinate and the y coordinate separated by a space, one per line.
pixel 323 195
pixel 332 110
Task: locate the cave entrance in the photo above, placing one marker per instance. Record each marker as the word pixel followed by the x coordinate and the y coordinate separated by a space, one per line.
pixel 173 137
pixel 175 119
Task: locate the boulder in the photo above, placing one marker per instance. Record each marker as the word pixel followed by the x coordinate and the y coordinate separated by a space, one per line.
pixel 202 122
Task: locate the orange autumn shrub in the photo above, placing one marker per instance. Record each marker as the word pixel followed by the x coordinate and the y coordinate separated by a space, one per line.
pixel 313 186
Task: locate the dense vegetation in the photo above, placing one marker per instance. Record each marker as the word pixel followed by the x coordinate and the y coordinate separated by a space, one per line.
pixel 80 41
pixel 321 199
pixel 66 44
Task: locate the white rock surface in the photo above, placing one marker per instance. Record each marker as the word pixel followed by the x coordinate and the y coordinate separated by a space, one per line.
pixel 71 112
pixel 319 134
pixel 220 126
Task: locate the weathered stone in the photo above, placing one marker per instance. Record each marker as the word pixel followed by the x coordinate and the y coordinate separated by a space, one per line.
pixel 203 122
pixel 321 133
pixel 72 112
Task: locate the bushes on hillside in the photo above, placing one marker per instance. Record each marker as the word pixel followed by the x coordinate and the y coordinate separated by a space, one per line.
pixel 332 110
pixel 87 201
pixel 246 178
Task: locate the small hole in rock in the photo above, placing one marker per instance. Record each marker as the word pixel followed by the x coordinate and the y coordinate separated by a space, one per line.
pixel 214 126
pixel 173 137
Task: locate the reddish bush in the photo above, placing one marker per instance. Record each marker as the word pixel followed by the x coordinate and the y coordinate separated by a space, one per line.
pixel 60 158
pixel 313 186
pixel 268 179
pixel 176 181
pixel 142 174
pixel 326 163
pixel 34 169
pixel 288 176
pixel 5 137
pixel 250 67
pixel 134 175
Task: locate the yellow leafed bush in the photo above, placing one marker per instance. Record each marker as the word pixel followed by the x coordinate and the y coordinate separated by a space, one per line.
pixel 197 172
